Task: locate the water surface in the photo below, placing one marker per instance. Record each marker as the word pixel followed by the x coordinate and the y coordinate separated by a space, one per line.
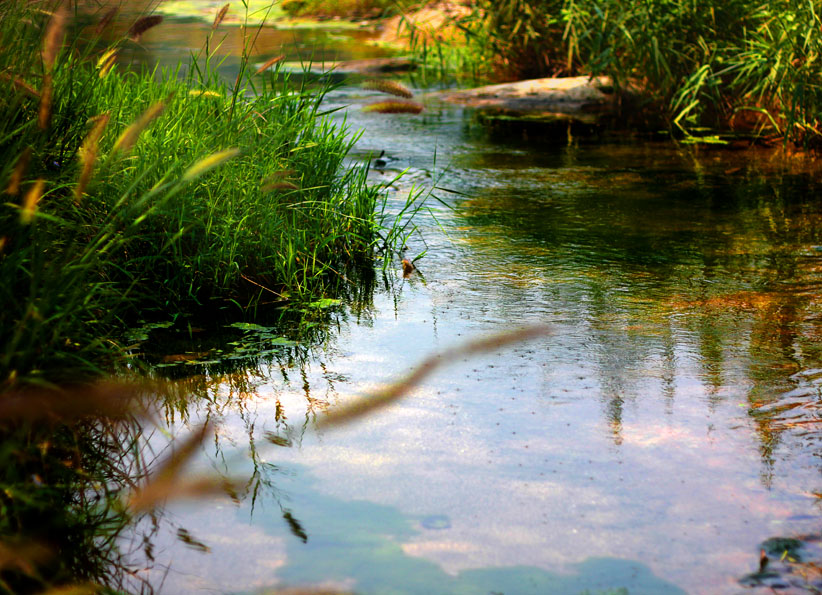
pixel 665 428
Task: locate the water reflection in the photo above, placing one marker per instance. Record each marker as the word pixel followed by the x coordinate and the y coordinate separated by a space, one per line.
pixel 667 428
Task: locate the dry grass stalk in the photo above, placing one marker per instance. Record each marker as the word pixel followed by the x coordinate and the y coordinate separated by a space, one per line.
pixel 132 133
pixel 220 16
pixel 114 400
pixel 394 106
pixel 88 155
pixel 44 114
pixel 19 171
pixel 53 40
pixel 396 391
pixel 142 25
pixel 30 201
pixel 106 19
pixel 390 87
pixel 167 482
pixel 269 63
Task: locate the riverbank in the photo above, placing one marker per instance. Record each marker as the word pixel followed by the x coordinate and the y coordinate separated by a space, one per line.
pixel 741 68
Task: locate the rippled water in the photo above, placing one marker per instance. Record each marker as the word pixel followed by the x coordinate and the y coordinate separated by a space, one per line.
pixel 666 427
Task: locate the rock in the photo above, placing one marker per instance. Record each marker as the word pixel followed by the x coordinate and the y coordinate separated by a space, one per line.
pixel 570 95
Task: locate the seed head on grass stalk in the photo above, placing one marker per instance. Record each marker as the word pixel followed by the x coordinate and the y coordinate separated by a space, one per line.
pixel 19 171
pixel 394 106
pixel 30 201
pixel 394 392
pixel 46 91
pixel 106 19
pixel 269 63
pixel 142 25
pixel 88 155
pixel 132 133
pixel 208 163
pixel 390 87
pixel 106 61
pixel 53 40
pixel 220 16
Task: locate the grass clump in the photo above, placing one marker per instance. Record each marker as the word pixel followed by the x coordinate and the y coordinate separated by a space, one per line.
pixel 128 191
pixel 743 65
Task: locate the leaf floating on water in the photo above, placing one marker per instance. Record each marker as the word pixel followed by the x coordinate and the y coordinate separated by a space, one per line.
pixel 324 303
pixel 184 357
pixel 249 326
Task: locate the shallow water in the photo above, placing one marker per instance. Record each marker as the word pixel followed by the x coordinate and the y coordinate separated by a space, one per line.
pixel 663 430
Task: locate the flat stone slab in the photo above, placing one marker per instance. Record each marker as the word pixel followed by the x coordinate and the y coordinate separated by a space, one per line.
pixel 570 95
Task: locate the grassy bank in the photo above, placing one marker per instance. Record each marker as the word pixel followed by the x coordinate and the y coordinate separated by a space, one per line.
pixel 125 194
pixel 131 191
pixel 746 66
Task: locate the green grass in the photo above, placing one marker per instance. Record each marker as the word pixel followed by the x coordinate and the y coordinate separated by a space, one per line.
pixel 742 65
pixel 128 195
pixel 160 191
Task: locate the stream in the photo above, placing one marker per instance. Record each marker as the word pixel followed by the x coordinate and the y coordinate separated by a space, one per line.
pixel 663 434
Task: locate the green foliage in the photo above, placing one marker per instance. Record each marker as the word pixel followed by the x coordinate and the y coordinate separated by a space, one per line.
pixel 743 64
pixel 154 190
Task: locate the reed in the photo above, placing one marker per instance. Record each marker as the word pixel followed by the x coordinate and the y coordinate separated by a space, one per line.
pixel 742 66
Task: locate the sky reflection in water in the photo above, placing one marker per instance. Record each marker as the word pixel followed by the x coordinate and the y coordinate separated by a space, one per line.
pixel 664 430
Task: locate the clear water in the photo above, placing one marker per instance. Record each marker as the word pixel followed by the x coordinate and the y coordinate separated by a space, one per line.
pixel 666 427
